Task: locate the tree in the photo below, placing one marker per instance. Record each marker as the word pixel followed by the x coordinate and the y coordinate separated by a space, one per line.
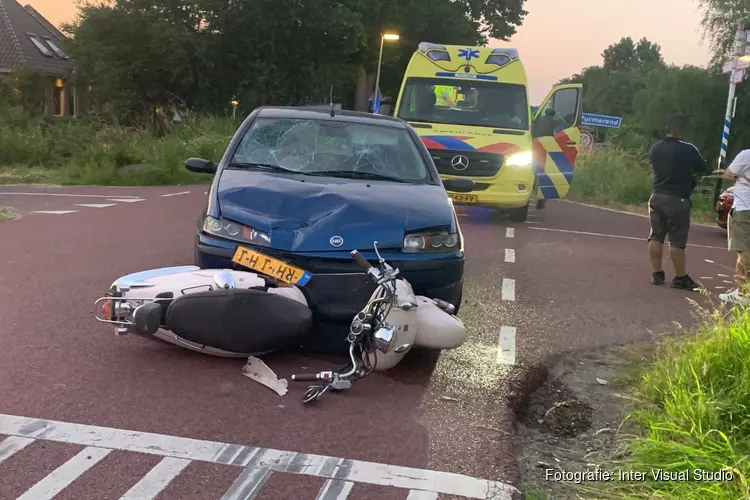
pixel 720 20
pixel 626 55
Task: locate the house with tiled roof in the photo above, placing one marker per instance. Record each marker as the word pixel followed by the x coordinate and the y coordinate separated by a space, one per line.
pixel 28 40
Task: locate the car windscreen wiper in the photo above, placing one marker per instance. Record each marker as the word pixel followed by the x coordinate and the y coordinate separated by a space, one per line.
pixel 265 166
pixel 355 175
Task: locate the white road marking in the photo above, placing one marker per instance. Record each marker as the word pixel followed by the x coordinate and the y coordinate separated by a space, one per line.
pixel 157 479
pixel 95 205
pixel 730 282
pixel 67 194
pixel 335 489
pixel 510 232
pixel 174 194
pixel 510 255
pixel 612 236
pixel 257 458
pixel 54 212
pixel 506 353
pixel 422 495
pixel 126 200
pixel 720 287
pixel 248 484
pixel 709 261
pixel 531 222
pixel 10 445
pixel 60 478
pixel 722 275
pixel 509 289
pixel 706 278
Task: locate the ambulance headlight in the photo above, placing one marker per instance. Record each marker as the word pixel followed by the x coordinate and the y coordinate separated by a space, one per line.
pixel 519 159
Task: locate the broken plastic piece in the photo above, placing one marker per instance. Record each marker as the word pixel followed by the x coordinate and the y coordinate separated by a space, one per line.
pixel 257 370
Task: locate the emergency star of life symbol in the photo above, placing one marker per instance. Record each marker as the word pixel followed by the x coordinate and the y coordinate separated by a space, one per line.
pixel 469 54
pixel 460 162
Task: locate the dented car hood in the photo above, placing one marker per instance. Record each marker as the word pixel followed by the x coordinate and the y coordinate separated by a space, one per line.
pixel 303 213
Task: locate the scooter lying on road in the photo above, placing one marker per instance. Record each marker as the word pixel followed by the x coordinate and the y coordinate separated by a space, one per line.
pixel 238 314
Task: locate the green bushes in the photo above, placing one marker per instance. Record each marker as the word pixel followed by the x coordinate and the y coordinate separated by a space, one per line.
pixel 68 151
pixel 621 178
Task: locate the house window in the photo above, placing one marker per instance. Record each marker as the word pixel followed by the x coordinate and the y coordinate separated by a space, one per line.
pixel 58 97
pixel 39 45
pixel 56 49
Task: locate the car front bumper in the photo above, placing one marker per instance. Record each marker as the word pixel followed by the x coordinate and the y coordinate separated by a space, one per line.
pixel 339 289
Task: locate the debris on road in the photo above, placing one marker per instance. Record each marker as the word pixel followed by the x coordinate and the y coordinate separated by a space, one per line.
pixel 448 398
pixel 601 381
pixel 257 370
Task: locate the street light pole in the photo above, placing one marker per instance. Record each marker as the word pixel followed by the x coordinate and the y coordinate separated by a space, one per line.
pixel 376 95
pixel 375 98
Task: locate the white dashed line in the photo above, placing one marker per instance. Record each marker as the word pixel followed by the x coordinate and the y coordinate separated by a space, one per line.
pixel 174 194
pixel 67 194
pixel 506 354
pixel 531 222
pixel 157 479
pixel 54 212
pixel 126 200
pixel 510 255
pixel 509 289
pixel 722 275
pixel 510 232
pixel 95 205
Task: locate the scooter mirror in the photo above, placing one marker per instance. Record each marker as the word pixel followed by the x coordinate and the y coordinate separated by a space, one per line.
pixel 224 279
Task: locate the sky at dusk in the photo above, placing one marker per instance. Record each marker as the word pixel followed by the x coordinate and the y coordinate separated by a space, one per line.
pixel 561 37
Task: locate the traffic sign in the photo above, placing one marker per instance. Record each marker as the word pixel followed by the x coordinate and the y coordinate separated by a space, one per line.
pixel 601 120
pixel 587 139
pixel 729 66
pixel 737 76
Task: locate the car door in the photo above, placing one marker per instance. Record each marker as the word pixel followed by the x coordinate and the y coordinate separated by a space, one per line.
pixel 555 149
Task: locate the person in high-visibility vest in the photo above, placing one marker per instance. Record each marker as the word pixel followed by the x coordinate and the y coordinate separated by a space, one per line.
pixel 446 95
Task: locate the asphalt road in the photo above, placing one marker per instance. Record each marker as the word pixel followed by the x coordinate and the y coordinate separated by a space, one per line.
pixel 572 277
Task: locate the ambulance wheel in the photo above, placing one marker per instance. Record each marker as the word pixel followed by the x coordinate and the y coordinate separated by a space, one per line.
pixel 540 203
pixel 519 214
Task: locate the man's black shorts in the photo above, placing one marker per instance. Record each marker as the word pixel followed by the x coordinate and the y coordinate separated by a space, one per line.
pixel 670 216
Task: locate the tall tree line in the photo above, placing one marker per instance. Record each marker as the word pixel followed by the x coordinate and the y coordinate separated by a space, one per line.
pixel 135 55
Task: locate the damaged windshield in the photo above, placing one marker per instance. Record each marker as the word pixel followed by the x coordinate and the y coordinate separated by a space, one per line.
pixel 332 148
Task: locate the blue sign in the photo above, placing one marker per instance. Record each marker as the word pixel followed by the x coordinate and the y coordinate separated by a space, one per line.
pixel 601 120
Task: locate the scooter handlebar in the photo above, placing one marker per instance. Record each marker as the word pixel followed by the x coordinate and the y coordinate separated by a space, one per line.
pixel 360 260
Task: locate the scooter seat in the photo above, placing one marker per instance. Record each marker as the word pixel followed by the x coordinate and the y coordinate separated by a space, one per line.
pixel 239 320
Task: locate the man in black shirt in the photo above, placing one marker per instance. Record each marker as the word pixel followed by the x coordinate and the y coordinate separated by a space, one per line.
pixel 676 165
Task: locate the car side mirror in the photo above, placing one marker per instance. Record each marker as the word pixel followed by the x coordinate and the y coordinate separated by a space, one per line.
pixel 459 185
pixel 200 166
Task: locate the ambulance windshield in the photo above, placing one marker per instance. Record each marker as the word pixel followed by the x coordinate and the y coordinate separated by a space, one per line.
pixel 460 102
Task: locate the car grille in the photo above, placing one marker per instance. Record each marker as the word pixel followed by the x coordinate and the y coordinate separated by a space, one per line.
pixel 479 164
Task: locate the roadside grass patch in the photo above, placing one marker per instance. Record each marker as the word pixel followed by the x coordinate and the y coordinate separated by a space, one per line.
pixel 7 214
pixel 92 152
pixel 693 413
pixel 621 179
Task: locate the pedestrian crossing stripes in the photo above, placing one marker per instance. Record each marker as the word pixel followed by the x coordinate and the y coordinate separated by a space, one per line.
pixel 257 464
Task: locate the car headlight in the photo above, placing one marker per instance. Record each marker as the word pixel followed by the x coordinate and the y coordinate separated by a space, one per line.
pixel 234 231
pixel 433 241
pixel 519 159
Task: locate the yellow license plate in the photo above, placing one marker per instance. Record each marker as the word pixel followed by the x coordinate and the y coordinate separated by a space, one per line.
pixel 270 266
pixel 463 198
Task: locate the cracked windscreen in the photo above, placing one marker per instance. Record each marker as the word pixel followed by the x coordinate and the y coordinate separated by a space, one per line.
pixel 334 148
pixel 478 103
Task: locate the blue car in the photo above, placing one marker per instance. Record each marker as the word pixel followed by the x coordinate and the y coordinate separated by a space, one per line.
pixel 299 188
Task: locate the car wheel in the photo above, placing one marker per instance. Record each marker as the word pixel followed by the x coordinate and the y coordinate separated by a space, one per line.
pixel 519 214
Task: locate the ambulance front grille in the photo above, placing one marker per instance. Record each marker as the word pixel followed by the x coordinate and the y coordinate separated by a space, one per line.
pixel 479 164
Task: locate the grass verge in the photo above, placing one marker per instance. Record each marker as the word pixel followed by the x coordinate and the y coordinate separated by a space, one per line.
pixel 621 179
pixel 7 214
pixel 693 413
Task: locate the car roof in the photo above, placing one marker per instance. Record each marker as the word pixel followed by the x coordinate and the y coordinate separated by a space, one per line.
pixel 323 112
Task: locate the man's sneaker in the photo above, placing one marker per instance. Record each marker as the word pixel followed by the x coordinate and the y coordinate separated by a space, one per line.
pixel 684 283
pixel 735 297
pixel 657 278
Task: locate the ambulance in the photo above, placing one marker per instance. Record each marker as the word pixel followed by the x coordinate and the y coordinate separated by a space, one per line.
pixel 470 106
